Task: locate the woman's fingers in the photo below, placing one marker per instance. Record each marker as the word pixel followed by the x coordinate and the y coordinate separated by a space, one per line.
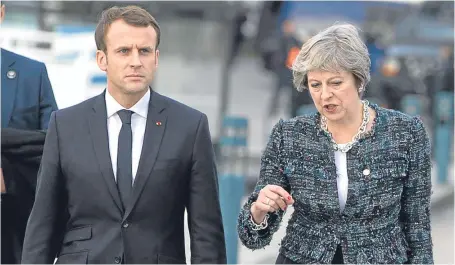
pixel 262 206
pixel 287 198
pixel 272 198
pixel 276 200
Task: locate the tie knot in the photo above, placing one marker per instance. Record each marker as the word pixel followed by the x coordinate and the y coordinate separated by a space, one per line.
pixel 125 116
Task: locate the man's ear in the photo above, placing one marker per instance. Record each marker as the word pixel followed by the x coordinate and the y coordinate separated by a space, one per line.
pixel 101 60
pixel 157 59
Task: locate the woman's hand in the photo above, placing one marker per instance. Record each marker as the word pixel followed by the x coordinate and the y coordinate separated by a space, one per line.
pixel 271 198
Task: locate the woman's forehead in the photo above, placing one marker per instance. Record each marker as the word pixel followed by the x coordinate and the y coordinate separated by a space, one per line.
pixel 325 74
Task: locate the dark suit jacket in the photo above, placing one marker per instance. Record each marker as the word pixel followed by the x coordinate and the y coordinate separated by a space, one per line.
pixel 27 97
pixel 21 155
pixel 77 214
pixel 27 101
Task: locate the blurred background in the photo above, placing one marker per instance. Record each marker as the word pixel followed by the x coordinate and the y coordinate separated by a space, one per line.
pixel 229 59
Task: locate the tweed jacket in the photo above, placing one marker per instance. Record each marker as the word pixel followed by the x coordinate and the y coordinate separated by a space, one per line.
pixel 387 214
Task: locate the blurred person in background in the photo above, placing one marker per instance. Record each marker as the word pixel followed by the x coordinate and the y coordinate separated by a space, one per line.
pixel 27 101
pixel 448 71
pixel 357 175
pixel 118 170
pixel 376 52
pixel 239 38
pixel 289 46
pixel 375 91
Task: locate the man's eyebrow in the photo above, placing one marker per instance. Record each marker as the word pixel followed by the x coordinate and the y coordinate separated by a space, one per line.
pixel 123 47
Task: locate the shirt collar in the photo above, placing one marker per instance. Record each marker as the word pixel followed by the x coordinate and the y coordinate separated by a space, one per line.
pixel 140 108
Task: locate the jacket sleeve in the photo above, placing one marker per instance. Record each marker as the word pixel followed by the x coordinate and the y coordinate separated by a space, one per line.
pixel 45 225
pixel 8 173
pixel 415 208
pixel 47 100
pixel 21 151
pixel 271 173
pixel 204 214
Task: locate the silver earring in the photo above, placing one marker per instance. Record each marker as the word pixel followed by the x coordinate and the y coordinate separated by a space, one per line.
pixel 361 89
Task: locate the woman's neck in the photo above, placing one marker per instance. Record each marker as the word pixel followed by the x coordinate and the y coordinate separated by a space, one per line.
pixel 343 130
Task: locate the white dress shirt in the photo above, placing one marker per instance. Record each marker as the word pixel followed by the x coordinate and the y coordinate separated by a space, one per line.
pixel 342 177
pixel 138 122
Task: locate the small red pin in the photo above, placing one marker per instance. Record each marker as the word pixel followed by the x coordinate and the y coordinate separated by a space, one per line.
pixel 158 123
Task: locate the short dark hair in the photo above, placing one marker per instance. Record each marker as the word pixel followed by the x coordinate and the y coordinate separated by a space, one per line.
pixel 132 15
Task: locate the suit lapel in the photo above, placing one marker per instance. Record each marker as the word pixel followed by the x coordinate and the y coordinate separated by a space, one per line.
pixel 8 86
pixel 154 132
pixel 100 140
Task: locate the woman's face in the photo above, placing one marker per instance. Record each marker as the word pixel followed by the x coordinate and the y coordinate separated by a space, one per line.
pixel 335 94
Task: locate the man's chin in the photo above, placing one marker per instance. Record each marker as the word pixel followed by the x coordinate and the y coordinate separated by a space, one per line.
pixel 136 88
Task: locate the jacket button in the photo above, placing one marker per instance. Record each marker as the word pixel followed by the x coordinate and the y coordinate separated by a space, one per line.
pixel 117 260
pixel 125 225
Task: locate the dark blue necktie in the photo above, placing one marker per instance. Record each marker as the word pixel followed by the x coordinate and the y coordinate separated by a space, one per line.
pixel 125 157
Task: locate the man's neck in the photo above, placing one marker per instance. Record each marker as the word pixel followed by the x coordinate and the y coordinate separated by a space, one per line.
pixel 126 100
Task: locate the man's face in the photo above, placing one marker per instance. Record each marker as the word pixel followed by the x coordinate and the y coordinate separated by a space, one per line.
pixel 2 12
pixel 131 58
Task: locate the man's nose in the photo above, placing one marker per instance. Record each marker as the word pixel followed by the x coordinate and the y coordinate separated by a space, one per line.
pixel 135 59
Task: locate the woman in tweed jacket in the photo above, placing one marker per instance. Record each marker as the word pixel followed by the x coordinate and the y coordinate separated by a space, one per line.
pixel 357 175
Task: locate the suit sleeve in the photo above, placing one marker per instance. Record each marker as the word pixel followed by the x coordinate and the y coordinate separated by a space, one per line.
pixel 204 214
pixel 44 235
pixel 47 100
pixel 8 171
pixel 415 208
pixel 21 153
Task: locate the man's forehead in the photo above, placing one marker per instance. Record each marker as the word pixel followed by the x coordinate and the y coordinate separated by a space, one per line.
pixel 120 26
pixel 121 33
pixel 125 44
pixel 131 43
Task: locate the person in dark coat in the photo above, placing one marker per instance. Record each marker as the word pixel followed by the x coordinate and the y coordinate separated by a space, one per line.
pixel 119 170
pixel 21 152
pixel 27 101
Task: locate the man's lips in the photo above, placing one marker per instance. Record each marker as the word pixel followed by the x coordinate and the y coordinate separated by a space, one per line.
pixel 135 76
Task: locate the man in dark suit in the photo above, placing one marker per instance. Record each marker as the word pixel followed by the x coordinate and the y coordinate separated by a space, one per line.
pixel 27 101
pixel 27 96
pixel 119 169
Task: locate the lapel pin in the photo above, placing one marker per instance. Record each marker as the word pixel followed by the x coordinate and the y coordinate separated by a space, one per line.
pixel 158 123
pixel 11 74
